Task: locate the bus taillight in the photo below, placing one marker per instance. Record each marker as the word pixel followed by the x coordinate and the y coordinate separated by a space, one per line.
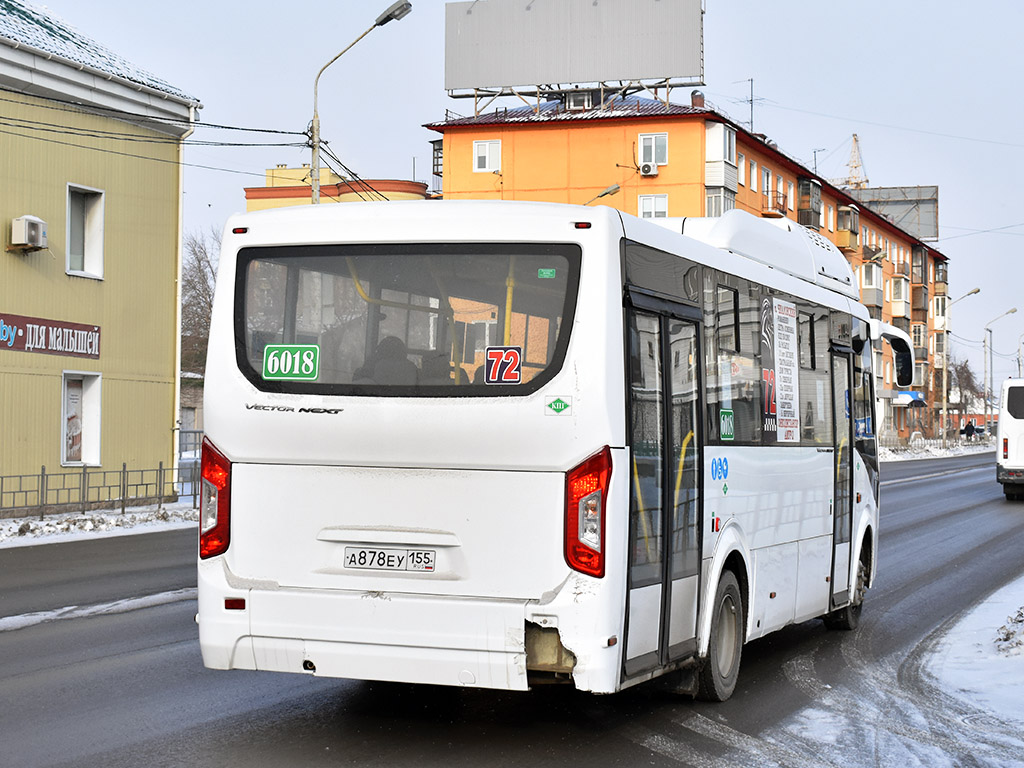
pixel 586 495
pixel 1006 448
pixel 215 505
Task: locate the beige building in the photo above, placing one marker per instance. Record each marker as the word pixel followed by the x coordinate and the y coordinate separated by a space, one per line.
pixel 90 233
pixel 291 186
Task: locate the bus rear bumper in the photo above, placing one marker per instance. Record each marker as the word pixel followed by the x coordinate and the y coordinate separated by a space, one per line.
pixel 398 637
pixel 1009 475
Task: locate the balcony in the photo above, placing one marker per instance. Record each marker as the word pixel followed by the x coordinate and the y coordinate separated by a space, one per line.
pixel 847 241
pixel 773 205
pixel 921 354
pixel 941 289
pixel 903 323
pixel 899 308
pixel 871 297
pixel 919 297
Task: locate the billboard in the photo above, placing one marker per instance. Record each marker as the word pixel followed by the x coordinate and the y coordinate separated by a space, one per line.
pixel 507 43
pixel 912 209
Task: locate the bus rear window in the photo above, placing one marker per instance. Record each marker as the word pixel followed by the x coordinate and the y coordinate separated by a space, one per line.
pixel 1015 402
pixel 411 320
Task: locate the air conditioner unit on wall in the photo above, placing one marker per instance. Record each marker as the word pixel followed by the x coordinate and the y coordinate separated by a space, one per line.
pixel 648 169
pixel 28 233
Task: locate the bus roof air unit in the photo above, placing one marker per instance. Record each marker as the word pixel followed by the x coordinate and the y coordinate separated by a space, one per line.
pixel 780 243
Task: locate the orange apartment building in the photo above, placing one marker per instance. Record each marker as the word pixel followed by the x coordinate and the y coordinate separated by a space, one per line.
pixel 674 160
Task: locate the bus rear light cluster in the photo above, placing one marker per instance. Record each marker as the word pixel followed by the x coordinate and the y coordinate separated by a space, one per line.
pixel 586 496
pixel 215 504
pixel 1006 448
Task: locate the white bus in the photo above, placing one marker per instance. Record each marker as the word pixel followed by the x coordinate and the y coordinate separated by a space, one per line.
pixel 1010 439
pixel 496 444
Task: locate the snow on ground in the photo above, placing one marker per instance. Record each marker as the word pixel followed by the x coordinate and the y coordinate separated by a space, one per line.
pixel 982 657
pixel 26 531
pixel 929 452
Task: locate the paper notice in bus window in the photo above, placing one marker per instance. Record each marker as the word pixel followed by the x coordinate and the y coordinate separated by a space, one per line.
pixel 787 394
pixel 291 362
pixel 503 365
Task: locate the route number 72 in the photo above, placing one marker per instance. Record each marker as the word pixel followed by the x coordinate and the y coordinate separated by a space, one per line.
pixel 504 365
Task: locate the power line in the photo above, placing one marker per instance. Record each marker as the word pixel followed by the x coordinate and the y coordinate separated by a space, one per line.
pixel 130 154
pixel 71 106
pixel 34 125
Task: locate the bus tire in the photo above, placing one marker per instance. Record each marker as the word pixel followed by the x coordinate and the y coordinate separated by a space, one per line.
pixel 720 670
pixel 848 617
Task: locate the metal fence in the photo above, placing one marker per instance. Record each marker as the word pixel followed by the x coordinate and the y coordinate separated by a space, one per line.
pixel 917 441
pixel 46 492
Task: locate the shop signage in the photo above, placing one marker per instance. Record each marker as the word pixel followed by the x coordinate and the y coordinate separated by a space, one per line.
pixel 48 337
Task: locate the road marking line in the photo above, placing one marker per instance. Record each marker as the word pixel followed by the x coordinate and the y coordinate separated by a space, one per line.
pixel 933 475
pixel 9 623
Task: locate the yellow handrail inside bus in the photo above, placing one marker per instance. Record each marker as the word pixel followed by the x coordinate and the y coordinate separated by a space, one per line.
pixel 679 474
pixel 510 286
pixel 641 511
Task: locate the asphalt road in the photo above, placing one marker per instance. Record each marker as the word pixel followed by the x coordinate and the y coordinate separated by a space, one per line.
pixel 128 688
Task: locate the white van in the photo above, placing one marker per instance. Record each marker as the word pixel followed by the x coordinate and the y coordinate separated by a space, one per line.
pixel 1010 439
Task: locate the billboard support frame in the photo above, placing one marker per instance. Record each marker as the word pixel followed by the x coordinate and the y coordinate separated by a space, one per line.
pixel 484 97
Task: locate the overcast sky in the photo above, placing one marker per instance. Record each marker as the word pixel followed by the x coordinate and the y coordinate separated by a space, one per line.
pixel 931 89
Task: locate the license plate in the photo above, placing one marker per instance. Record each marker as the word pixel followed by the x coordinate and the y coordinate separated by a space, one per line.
pixel 389 559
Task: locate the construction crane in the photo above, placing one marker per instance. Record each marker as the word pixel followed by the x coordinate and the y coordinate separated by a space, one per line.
pixel 856 178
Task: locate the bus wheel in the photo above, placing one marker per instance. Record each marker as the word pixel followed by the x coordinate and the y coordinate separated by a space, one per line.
pixel 849 617
pixel 719 671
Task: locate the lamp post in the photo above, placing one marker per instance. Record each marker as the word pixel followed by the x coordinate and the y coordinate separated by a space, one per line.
pixel 945 360
pixel 1020 372
pixel 612 190
pixel 394 12
pixel 987 382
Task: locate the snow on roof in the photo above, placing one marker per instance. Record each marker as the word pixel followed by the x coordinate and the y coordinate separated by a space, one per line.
pixel 23 24
pixel 555 111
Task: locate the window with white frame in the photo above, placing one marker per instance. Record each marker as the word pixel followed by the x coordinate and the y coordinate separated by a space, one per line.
pixel 940 343
pixel 831 219
pixel 741 169
pixel 85 232
pixel 753 176
pixel 940 306
pixel 920 374
pixel 486 156
pixel 766 182
pixel 888 290
pixel 80 419
pixel 790 197
pixel 654 148
pixel 871 276
pixel 917 334
pixel 900 289
pixel 652 206
pixel 719 200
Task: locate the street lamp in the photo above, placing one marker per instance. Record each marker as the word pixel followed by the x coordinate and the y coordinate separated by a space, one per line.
pixel 1020 339
pixel 394 12
pixel 988 361
pixel 945 360
pixel 612 190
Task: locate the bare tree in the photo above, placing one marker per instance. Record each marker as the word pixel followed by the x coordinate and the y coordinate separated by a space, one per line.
pixel 964 382
pixel 198 279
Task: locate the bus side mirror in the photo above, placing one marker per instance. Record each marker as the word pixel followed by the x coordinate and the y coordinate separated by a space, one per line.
pixel 902 350
pixel 904 356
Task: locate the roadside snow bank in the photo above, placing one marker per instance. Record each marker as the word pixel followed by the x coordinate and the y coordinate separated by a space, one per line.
pixel 983 664
pixel 25 531
pixel 926 452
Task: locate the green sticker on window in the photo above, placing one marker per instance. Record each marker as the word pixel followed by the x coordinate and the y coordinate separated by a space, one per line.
pixel 545 273
pixel 726 424
pixel 291 362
